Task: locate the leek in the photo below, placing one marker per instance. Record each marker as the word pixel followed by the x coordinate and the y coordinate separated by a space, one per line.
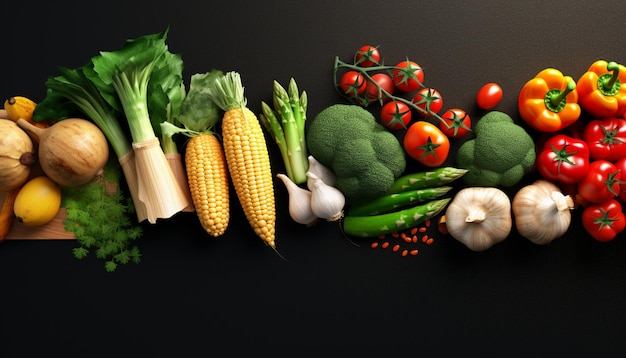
pixel 143 74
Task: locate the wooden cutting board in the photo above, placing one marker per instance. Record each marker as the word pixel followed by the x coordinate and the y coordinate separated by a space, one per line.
pixel 54 230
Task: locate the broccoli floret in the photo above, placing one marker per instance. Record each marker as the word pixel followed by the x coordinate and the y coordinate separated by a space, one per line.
pixel 364 155
pixel 501 153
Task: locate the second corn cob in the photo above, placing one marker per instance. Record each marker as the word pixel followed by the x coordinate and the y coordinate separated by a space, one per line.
pixel 247 157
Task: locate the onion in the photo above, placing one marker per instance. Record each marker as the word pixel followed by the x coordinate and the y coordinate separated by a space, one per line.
pixel 72 152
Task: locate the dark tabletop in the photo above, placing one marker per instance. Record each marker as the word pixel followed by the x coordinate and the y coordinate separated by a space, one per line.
pixel 195 295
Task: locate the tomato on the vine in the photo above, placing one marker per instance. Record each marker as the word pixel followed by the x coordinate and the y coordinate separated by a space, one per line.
pixel 455 123
pixel 395 115
pixel 408 76
pixel 353 83
pixel 605 220
pixel 367 56
pixel 489 96
pixel 601 183
pixel 426 143
pixel 429 100
pixel 380 82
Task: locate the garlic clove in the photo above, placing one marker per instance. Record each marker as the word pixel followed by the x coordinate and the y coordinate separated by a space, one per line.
pixel 299 202
pixel 321 171
pixel 327 202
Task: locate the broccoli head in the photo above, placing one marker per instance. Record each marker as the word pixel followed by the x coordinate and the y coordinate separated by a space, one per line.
pixel 365 157
pixel 501 153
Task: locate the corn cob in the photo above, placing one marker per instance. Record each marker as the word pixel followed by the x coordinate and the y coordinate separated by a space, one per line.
pixel 247 157
pixel 208 182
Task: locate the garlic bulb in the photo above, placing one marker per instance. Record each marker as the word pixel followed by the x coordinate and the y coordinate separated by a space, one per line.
pixel 320 171
pixel 542 213
pixel 479 217
pixel 327 202
pixel 299 202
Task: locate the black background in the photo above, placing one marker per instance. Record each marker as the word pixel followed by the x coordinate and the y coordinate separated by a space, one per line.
pixel 194 295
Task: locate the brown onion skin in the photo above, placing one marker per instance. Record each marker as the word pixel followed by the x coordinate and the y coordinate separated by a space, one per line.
pixel 72 152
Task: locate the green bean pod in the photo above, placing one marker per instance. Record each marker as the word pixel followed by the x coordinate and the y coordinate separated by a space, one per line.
pixel 426 179
pixel 396 201
pixel 383 224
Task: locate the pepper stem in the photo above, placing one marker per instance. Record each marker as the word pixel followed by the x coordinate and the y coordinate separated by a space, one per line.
pixel 613 67
pixel 557 97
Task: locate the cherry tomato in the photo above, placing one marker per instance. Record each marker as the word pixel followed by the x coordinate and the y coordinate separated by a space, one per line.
pixel 367 56
pixel 429 100
pixel 353 83
pixel 395 115
pixel 605 220
pixel 455 123
pixel 408 76
pixel 620 164
pixel 384 82
pixel 601 183
pixel 426 143
pixel 489 96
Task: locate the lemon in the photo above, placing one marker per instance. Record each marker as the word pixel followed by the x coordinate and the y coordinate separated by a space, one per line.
pixel 38 201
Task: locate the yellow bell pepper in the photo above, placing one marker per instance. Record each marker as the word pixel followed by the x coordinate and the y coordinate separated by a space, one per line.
pixel 602 89
pixel 549 101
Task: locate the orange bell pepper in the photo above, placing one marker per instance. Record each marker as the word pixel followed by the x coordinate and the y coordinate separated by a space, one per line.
pixel 602 89
pixel 549 101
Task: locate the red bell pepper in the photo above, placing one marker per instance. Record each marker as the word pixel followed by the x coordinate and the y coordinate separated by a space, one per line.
pixel 602 89
pixel 549 101
pixel 563 159
pixel 603 221
pixel 606 138
pixel 601 183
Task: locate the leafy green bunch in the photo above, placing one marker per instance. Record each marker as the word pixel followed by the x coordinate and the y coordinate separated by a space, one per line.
pixel 99 215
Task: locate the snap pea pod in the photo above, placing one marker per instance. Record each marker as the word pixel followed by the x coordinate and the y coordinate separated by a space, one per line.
pixel 396 201
pixel 383 224
pixel 426 179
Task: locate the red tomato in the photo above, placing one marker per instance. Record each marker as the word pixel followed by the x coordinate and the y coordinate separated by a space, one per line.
pixel 455 123
pixel 620 164
pixel 424 142
pixel 601 183
pixel 367 56
pixel 375 93
pixel 395 115
pixel 353 83
pixel 429 100
pixel 408 76
pixel 489 96
pixel 563 159
pixel 606 138
pixel 603 221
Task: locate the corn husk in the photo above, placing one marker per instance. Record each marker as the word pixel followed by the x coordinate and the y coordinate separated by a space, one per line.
pixel 127 163
pixel 158 188
pixel 175 161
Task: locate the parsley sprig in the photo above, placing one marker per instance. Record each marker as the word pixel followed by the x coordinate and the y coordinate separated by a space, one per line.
pixel 99 214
